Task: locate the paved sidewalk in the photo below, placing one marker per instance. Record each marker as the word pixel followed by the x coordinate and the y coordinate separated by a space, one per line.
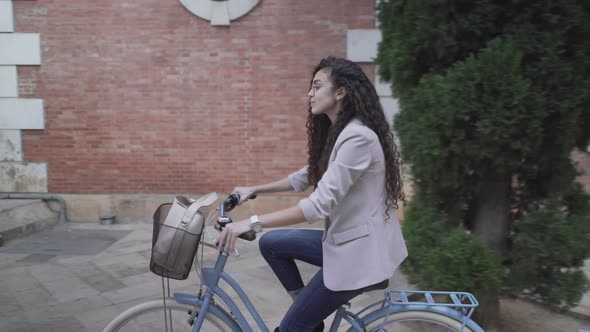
pixel 83 293
pixel 40 292
pixel 584 306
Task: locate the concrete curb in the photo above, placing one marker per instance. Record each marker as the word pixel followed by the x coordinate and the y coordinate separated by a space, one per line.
pixel 19 218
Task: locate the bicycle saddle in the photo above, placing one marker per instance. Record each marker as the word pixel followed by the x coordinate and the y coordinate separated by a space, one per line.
pixel 378 286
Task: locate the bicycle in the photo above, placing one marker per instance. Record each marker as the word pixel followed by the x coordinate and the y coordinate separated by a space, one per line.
pixel 398 311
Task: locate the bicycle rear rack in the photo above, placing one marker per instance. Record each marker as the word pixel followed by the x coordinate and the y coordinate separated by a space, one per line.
pixel 459 301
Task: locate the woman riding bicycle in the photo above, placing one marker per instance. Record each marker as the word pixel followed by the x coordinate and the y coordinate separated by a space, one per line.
pixel 353 165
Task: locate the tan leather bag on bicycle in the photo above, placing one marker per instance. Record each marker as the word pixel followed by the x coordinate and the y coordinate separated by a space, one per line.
pixel 177 231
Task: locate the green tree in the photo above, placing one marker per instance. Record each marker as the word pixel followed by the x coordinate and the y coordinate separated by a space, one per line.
pixel 494 95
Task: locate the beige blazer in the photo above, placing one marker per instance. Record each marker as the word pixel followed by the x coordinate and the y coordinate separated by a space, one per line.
pixel 360 246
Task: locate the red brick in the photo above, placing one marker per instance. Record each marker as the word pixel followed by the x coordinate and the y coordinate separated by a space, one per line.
pixel 144 97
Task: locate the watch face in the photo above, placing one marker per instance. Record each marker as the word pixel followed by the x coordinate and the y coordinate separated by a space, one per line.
pixel 257 227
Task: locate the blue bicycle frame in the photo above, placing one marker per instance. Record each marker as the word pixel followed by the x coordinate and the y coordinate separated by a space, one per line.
pixel 460 308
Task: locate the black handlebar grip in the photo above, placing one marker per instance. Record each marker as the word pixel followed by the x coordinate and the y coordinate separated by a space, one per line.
pixel 248 236
pixel 232 201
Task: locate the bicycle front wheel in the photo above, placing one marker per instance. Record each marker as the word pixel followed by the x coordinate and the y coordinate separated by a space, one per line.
pixel 415 321
pixel 152 317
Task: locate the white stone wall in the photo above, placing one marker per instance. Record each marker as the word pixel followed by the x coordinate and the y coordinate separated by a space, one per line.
pixel 6 16
pixel 219 12
pixel 11 148
pixel 362 44
pixel 17 113
pixel 8 81
pixel 362 47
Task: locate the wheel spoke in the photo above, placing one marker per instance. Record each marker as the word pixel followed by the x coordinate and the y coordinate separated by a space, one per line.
pixel 152 317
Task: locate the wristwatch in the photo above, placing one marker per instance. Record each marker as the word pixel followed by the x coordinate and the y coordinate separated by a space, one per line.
pixel 255 224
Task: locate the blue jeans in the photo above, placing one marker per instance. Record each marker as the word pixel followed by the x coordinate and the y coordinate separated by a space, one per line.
pixel 315 302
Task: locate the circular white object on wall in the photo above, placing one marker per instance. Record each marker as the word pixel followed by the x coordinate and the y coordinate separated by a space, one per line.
pixel 219 12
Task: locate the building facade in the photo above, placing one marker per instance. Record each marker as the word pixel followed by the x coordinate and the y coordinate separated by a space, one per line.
pixel 108 101
pixel 123 97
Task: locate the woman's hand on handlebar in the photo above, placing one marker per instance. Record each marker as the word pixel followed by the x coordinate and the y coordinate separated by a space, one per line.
pixel 245 193
pixel 230 234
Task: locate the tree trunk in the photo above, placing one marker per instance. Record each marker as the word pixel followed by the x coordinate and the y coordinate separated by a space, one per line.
pixel 492 214
pixel 492 223
pixel 487 314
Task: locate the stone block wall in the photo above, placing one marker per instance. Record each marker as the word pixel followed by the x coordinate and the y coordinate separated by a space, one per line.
pixel 17 112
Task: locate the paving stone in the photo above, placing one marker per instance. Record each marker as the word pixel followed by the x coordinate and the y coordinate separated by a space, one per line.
pixel 33 298
pixel 14 322
pixel 132 247
pixel 51 316
pixel 58 325
pixel 9 305
pixel 124 271
pixel 97 319
pixel 20 280
pixel 138 279
pixel 64 240
pixel 51 272
pixel 124 259
pixel 97 278
pixel 35 258
pixel 6 259
pixel 150 289
pixel 103 282
pixel 44 313
pixel 72 260
pixel 82 305
pixel 84 293
pixel 68 289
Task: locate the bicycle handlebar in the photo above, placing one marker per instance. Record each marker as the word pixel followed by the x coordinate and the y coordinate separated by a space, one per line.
pixel 229 204
pixel 248 236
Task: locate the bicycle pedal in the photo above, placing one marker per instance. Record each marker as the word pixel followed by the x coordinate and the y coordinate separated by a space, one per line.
pixel 192 318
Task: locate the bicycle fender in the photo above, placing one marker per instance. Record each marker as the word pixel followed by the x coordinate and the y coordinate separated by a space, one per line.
pixel 416 307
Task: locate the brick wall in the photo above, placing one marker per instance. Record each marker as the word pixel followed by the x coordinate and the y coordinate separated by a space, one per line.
pixel 144 97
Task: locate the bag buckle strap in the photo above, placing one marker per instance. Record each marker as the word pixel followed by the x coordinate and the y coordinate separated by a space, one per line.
pixel 206 200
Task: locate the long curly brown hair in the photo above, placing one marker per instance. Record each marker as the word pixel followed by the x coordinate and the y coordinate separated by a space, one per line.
pixel 361 101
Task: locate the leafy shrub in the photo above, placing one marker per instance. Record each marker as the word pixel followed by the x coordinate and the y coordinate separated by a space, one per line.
pixel 447 258
pixel 548 250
